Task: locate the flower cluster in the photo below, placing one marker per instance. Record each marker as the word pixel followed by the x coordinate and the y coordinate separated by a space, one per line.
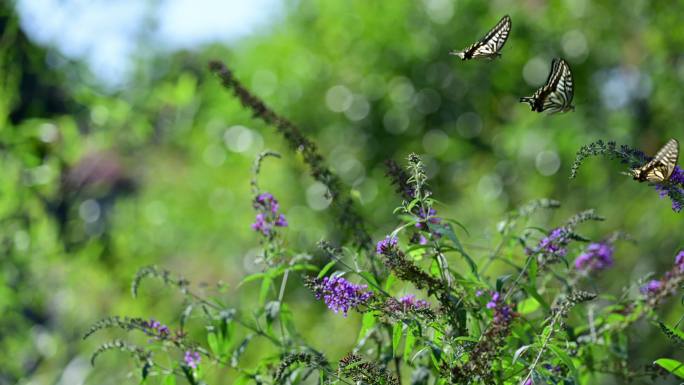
pixel 267 216
pixel 655 290
pixel 340 294
pixel 386 246
pixel 502 312
pixel 409 302
pixel 597 256
pixel 553 244
pixel 426 218
pixel 674 188
pixel 156 329
pixel 192 358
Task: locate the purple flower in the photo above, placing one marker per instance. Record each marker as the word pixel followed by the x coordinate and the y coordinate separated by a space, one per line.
pixel 430 218
pixel 267 215
pixel 673 188
pixel 386 246
pixel 597 256
pixel 528 382
pixel 677 176
pixel 192 358
pixel 679 260
pixel 657 290
pixel 554 243
pixel 281 221
pixel 422 240
pixel 502 312
pixel 409 302
pixel 340 294
pixel 156 328
pixel 653 286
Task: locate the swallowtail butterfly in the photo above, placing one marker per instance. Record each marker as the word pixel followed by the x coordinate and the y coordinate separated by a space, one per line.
pixel 556 95
pixel 659 169
pixel 490 45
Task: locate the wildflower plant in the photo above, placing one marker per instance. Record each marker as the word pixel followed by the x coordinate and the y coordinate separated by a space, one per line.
pixel 430 311
pixel 672 188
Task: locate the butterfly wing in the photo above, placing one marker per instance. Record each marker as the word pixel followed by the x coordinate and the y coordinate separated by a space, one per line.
pixel 490 45
pixel 562 88
pixel 494 40
pixel 660 168
pixel 556 95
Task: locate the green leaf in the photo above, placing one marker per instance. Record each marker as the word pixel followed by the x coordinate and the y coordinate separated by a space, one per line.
pixel 299 267
pixel 189 375
pixel 326 268
pixel 449 231
pixel 412 204
pixel 500 282
pixel 369 278
pixel 169 380
pixel 564 357
pixel 409 343
pixel 474 325
pixel 389 282
pixel 212 341
pixel 532 292
pixel 673 366
pixel 251 277
pixel 263 293
pixel 397 331
pixel 673 334
pixel 518 353
pixel 459 224
pixel 528 306
pixel 532 271
pixel 367 323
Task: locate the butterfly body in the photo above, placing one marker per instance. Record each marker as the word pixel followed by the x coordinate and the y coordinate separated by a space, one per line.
pixel 660 168
pixel 489 46
pixel 557 93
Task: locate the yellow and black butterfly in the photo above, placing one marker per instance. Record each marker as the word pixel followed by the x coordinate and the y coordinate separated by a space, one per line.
pixel 660 168
pixel 556 95
pixel 490 45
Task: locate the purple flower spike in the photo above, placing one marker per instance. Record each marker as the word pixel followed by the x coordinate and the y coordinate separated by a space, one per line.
pixel 598 256
pixel 267 215
pixel 502 312
pixel 679 260
pixel 156 329
pixel 340 294
pixel 192 359
pixel 554 243
pixel 386 246
pixel 653 286
pixel 409 302
pixel 673 188
pixel 430 217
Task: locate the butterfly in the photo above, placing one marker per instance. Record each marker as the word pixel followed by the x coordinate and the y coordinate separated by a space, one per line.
pixel 490 45
pixel 660 168
pixel 556 95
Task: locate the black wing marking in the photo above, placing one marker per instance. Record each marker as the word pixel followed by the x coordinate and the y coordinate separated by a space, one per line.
pixel 489 45
pixel 660 168
pixel 556 95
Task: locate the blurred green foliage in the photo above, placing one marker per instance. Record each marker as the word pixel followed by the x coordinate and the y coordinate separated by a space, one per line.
pixel 97 184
